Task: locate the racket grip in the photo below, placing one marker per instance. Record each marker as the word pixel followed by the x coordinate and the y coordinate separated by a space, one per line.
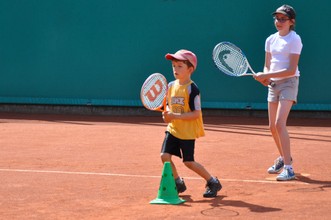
pixel 272 84
pixel 164 104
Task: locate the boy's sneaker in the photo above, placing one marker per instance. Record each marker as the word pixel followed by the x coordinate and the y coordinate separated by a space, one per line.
pixel 287 174
pixel 278 165
pixel 180 185
pixel 212 187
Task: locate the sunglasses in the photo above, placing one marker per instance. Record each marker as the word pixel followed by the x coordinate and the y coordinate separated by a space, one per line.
pixel 281 20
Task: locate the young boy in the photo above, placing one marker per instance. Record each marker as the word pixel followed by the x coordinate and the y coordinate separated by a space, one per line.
pixel 184 120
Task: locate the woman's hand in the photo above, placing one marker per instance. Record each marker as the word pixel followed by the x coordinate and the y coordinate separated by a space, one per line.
pixel 262 78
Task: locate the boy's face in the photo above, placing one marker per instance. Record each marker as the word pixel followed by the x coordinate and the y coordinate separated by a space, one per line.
pixel 181 71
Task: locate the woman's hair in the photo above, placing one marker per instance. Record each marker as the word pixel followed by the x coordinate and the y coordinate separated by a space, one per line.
pixel 292 27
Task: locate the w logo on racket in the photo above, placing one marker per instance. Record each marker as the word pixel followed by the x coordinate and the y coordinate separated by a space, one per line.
pixel 153 92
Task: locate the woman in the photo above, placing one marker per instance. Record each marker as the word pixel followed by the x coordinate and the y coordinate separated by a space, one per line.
pixel 283 50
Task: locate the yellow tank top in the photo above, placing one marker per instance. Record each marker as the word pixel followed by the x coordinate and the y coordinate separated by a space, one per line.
pixel 180 98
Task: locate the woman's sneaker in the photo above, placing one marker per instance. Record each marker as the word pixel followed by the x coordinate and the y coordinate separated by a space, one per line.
pixel 278 165
pixel 287 174
pixel 212 187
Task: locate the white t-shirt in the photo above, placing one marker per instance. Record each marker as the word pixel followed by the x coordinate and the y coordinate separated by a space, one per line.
pixel 280 48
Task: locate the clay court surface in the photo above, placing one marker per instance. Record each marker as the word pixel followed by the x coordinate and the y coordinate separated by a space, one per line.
pixel 102 167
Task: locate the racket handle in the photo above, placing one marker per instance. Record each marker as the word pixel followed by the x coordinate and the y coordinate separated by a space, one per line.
pixel 164 104
pixel 272 84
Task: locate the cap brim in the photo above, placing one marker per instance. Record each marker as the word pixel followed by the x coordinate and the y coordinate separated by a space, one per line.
pixel 280 12
pixel 174 56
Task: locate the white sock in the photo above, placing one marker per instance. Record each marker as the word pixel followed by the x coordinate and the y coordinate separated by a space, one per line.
pixel 289 167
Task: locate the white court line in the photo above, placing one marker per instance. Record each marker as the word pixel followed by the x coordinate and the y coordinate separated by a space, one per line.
pixel 143 176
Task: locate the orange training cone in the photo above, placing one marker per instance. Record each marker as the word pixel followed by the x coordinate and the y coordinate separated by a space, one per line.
pixel 167 193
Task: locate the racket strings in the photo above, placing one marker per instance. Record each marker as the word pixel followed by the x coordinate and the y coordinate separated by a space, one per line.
pixel 153 91
pixel 230 59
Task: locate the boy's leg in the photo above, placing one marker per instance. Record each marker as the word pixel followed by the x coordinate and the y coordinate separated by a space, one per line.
pixel 180 184
pixel 199 169
pixel 169 148
pixel 165 157
pixel 213 185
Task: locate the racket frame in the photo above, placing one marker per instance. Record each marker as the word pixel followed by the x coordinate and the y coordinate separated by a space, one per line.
pixel 271 84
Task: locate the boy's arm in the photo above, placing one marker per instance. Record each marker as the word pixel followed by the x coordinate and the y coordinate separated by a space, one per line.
pixel 195 106
pixel 169 116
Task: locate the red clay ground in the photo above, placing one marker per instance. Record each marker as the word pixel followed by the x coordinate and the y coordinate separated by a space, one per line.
pixel 83 167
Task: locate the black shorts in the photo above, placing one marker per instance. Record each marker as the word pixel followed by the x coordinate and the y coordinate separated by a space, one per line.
pixel 181 148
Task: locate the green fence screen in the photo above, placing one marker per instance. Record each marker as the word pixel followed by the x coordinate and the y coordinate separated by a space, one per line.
pixel 99 52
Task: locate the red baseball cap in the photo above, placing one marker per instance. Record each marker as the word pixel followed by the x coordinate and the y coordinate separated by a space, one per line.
pixel 184 55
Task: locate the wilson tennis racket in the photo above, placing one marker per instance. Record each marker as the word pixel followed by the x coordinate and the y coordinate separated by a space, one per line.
pixel 232 61
pixel 154 91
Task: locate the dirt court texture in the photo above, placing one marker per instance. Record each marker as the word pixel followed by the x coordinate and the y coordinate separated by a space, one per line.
pixel 103 167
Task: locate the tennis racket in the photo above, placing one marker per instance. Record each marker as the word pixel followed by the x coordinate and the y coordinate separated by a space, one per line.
pixel 154 91
pixel 232 61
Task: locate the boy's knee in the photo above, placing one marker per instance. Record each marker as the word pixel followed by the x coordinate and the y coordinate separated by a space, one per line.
pixel 165 157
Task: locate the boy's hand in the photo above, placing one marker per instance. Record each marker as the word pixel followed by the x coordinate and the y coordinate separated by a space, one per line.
pixel 167 116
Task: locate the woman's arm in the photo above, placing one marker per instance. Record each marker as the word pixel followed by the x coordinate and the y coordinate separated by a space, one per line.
pixel 266 74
